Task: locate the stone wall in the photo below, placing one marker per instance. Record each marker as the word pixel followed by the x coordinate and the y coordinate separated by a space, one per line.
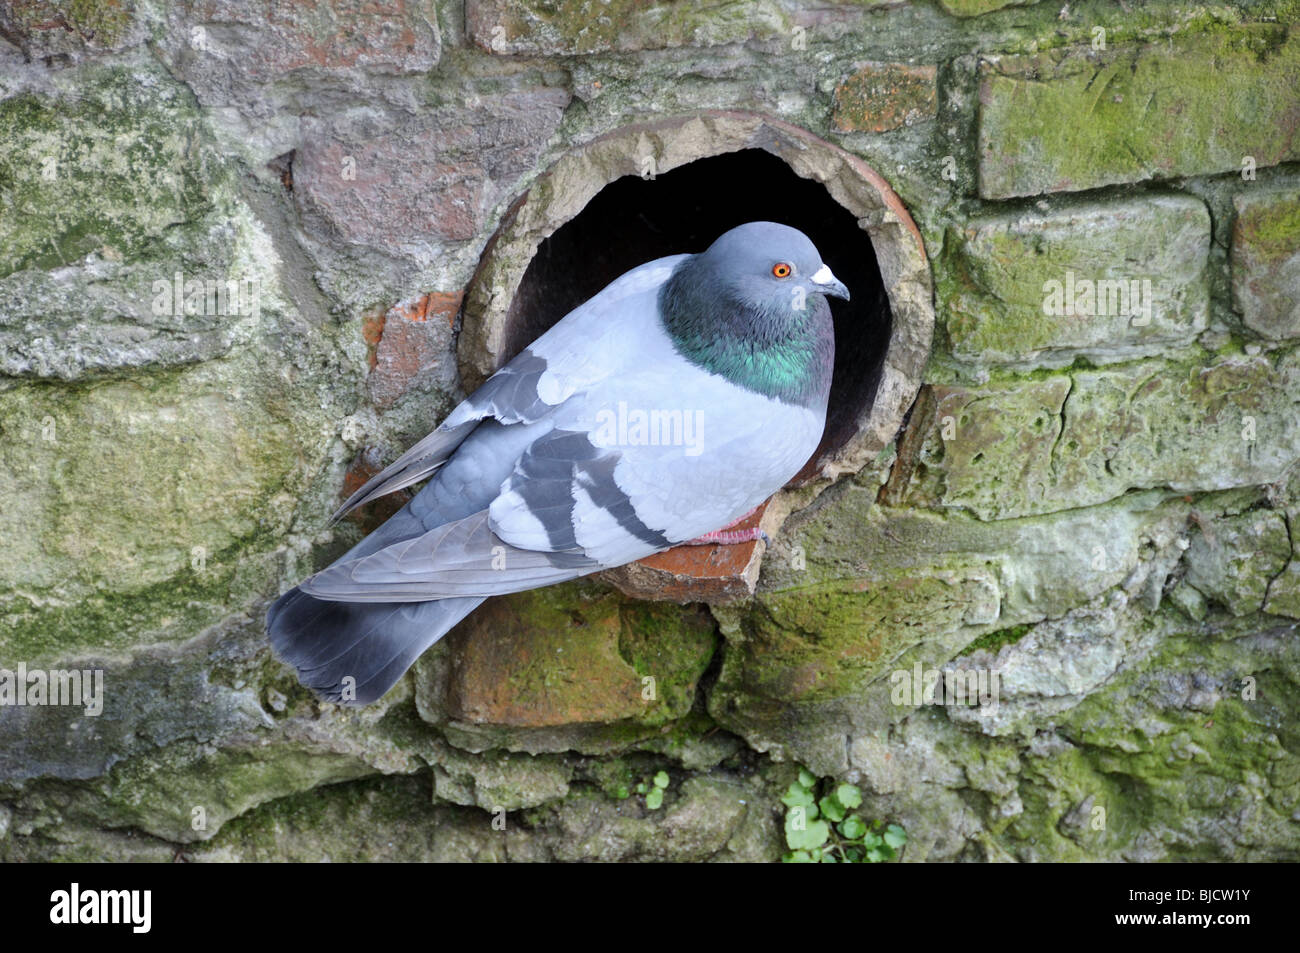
pixel 1094 502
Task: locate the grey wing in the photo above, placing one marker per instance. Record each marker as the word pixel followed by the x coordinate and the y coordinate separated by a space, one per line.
pixel 509 396
pixel 515 502
pixel 560 503
pixel 561 362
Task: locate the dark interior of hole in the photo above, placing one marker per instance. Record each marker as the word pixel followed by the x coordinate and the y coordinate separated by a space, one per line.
pixel 634 220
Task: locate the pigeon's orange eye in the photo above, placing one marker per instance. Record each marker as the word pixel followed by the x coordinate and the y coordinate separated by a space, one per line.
pixel 781 270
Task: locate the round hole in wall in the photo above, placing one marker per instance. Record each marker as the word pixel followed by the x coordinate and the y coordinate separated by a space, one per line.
pixel 671 186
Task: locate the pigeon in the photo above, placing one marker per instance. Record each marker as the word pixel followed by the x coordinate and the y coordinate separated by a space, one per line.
pixel 664 409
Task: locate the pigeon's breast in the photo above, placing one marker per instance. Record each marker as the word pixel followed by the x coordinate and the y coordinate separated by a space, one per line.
pixel 696 452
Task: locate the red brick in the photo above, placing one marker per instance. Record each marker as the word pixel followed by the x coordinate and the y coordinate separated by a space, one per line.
pixel 715 574
pixel 561 656
pixel 883 96
pixel 410 348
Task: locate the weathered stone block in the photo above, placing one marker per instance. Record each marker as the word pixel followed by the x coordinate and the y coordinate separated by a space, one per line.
pixel 1266 262
pixel 398 36
pixel 1233 560
pixel 956 579
pixel 976 8
pixel 73 170
pixel 574 27
pixel 1044 565
pixel 69 28
pixel 1071 120
pixel 820 642
pixel 1016 448
pixel 1284 592
pixel 883 96
pixel 114 489
pixel 159 794
pixel 1045 288
pixel 501 781
pixel 991 448
pixel 434 177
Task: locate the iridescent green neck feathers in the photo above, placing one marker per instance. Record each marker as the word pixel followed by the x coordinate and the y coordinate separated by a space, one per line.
pixel 784 349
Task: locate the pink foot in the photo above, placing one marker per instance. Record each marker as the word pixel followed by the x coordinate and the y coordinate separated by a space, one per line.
pixel 730 537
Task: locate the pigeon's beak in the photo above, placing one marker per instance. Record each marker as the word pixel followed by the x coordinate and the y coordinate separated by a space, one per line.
pixel 827 284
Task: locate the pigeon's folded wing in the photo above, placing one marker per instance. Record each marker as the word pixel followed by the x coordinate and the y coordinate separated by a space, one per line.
pixel 547 503
pixel 464 558
pixel 562 361
pixel 561 514
pixel 510 396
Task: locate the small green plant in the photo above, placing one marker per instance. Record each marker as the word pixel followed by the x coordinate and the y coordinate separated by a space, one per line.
pixel 653 790
pixel 825 830
pixel 655 799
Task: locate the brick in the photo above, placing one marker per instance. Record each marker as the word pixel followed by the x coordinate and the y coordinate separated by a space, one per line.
pixel 547 658
pixel 1266 262
pixel 575 27
pixel 714 574
pixel 1000 273
pixel 373 515
pixel 1069 120
pixel 878 97
pixel 413 347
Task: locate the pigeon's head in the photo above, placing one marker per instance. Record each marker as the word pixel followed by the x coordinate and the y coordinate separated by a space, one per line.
pixel 770 267
pixel 752 308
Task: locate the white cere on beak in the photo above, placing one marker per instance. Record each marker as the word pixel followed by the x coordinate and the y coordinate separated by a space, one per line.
pixel 823 276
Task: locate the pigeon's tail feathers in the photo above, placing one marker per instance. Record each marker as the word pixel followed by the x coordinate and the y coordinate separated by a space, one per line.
pixel 354 653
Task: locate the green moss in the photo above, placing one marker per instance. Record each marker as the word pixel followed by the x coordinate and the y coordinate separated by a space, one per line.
pixel 1167 773
pixel 1272 229
pixel 108 173
pixel 1029 444
pixel 1069 122
pixel 994 275
pixel 975 8
pixel 501 780
pixel 168 611
pixel 145 500
pixel 103 20
pixel 391 799
pixel 165 794
pixel 664 642
pixel 993 641
pixel 370 819
pixel 825 641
